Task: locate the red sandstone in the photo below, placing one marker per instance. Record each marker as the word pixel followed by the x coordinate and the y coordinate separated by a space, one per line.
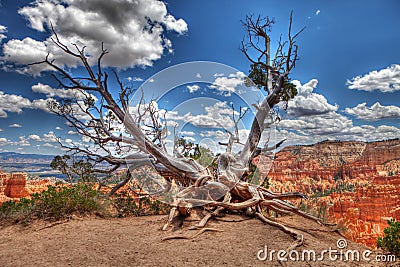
pixel 16 185
pixel 372 167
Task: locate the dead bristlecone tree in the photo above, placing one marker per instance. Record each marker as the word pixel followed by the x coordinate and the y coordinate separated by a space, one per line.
pixel 96 111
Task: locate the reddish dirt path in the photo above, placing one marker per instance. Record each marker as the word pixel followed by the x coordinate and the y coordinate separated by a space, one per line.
pixel 137 242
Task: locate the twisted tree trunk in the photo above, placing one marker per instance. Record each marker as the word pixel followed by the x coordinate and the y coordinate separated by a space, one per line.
pixel 226 189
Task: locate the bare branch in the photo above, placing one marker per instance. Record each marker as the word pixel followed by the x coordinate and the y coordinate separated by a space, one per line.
pixel 276 74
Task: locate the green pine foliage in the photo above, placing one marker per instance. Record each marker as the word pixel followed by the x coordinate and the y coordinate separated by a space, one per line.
pixel 391 240
pixel 258 76
pixel 75 169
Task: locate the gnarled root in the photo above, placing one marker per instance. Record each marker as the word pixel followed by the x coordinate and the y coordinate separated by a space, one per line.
pixel 172 214
pixel 297 236
pixel 243 197
pixel 216 212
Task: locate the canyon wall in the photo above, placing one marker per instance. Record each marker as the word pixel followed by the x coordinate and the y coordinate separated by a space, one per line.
pixel 357 183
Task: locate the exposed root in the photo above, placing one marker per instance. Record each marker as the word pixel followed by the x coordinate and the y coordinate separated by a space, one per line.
pixel 244 198
pixel 193 236
pixel 272 195
pixel 297 236
pixel 279 211
pixel 216 212
pixel 230 206
pixel 308 230
pixel 206 218
pixel 279 204
pixel 172 214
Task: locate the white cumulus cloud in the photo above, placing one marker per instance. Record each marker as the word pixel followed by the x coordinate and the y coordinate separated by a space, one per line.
pixel 12 103
pixel 308 103
pixel 3 141
pixel 3 29
pixel 384 80
pixel 16 104
pixel 375 112
pixel 215 116
pixel 228 85
pixel 187 133
pixel 132 31
pixel 310 115
pixel 51 92
pixel 311 118
pixel 46 137
pixel 34 137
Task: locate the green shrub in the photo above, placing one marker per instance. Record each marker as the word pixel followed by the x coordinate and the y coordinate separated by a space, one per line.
pixel 391 240
pixel 15 212
pixel 157 207
pixel 126 206
pixel 55 203
pixel 58 203
pixel 61 202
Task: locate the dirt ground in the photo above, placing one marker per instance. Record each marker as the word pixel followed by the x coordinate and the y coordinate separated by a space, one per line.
pixel 138 242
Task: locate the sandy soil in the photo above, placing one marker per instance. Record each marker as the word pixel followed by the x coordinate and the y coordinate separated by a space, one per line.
pixel 138 242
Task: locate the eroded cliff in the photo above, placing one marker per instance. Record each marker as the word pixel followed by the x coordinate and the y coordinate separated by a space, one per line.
pixel 357 183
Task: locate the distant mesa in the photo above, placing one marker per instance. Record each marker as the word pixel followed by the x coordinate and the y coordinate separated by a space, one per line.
pixel 13 157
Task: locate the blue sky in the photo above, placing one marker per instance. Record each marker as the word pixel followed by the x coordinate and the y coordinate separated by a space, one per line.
pixel 348 74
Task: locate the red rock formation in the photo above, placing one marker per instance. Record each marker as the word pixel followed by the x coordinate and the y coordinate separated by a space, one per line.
pixel 16 186
pixel 37 186
pixel 366 211
pixel 330 168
